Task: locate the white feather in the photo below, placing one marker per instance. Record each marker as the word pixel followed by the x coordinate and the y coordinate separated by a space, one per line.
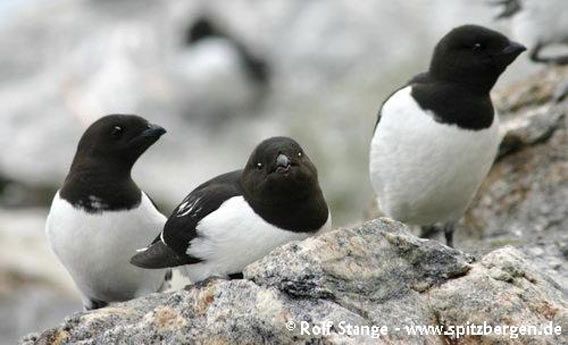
pixel 234 236
pixel 423 171
pixel 187 207
pixel 96 248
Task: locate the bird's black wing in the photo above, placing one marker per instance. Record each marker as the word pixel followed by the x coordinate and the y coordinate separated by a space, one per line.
pixel 169 249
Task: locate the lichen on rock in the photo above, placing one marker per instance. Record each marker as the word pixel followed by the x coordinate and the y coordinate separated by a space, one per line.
pixel 376 273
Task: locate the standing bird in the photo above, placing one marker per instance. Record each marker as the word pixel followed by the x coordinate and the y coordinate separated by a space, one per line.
pixel 100 215
pixel 227 76
pixel 256 67
pixel 238 217
pixel 436 138
pixel 539 24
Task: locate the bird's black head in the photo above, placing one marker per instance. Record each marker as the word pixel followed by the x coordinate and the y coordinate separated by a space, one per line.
pixel 117 139
pixel 473 55
pixel 279 171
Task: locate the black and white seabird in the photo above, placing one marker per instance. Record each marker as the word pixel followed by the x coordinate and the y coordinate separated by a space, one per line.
pixel 239 217
pixel 100 215
pixel 540 24
pixel 436 138
pixel 205 27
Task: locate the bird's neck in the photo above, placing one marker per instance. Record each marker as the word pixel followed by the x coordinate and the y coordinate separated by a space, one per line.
pixel 305 214
pixel 90 171
pixel 110 185
pixel 480 85
pixel 454 104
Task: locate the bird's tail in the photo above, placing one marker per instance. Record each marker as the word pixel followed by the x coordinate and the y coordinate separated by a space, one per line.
pixel 167 283
pixel 157 255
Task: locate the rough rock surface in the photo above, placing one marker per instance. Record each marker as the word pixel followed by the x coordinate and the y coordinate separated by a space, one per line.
pixel 376 273
pixel 527 187
pixel 523 202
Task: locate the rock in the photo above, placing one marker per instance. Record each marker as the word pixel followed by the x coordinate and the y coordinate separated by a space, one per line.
pixel 376 273
pixel 525 191
pixel 523 200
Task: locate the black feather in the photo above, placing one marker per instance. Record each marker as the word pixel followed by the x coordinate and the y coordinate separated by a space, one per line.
pixel 158 255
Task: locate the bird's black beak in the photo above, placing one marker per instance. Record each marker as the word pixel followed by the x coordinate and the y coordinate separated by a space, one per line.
pixel 153 131
pixel 506 56
pixel 282 163
pixel 514 49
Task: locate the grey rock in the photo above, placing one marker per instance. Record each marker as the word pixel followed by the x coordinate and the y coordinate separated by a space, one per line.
pixel 525 192
pixel 376 273
pixel 523 200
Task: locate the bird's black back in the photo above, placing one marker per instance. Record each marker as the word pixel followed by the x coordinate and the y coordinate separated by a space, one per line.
pixel 180 227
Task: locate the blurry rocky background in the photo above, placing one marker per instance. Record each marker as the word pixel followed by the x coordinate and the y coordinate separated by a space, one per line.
pixel 220 76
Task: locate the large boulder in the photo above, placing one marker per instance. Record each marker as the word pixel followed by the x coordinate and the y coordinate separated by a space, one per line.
pixel 326 290
pixel 523 201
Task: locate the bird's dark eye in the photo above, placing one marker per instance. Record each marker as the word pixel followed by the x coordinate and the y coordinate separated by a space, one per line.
pixel 117 131
pixel 477 46
pixel 300 154
pixel 258 166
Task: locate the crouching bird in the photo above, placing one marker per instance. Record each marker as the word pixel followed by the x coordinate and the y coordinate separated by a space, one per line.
pixel 238 217
pixel 100 215
pixel 436 137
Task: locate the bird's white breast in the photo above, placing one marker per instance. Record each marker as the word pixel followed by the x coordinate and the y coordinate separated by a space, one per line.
pixel 424 171
pixel 96 248
pixel 234 236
